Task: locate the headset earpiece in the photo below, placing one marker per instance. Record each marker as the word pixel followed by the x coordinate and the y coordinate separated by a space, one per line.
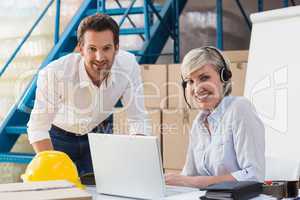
pixel 225 75
pixel 184 85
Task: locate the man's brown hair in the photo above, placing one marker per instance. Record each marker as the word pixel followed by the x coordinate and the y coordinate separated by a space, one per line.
pixel 98 22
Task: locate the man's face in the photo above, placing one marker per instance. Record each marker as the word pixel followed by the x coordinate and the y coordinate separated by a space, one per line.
pixel 98 50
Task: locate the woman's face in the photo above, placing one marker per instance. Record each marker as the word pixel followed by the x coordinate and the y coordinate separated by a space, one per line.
pixel 205 87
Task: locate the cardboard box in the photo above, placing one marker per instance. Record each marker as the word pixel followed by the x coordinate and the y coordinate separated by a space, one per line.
pixel 172 171
pixel 43 190
pixel 120 121
pixel 176 125
pixel 175 91
pixel 238 56
pixel 155 85
pixel 238 78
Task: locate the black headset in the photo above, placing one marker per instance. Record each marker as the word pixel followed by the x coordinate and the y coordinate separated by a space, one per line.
pixel 225 73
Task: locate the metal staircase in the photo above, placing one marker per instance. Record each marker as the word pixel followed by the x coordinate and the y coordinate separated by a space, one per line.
pixel 160 23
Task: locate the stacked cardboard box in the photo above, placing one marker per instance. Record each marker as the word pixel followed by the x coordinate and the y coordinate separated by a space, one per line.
pixel 238 61
pixel 155 85
pixel 176 126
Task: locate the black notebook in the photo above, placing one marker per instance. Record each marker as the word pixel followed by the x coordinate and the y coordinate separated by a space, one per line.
pixel 233 190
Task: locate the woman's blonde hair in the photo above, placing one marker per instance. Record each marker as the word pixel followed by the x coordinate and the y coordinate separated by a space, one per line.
pixel 197 58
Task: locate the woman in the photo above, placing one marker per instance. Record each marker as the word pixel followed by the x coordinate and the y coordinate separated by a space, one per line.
pixel 227 139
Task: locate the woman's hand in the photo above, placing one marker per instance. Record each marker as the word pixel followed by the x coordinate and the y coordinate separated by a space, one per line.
pixel 186 181
pixel 175 179
pixel 195 181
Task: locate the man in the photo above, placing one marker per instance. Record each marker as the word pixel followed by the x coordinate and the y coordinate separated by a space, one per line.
pixel 78 91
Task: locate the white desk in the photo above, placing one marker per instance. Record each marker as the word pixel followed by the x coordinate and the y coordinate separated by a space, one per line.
pixel 185 196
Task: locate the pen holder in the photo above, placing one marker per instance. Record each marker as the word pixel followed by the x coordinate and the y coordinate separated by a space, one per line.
pixel 276 189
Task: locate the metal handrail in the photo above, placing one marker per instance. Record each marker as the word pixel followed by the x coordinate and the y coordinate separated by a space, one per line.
pixel 16 51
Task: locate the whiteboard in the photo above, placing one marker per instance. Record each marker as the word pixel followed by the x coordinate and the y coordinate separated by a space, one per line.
pixel 273 78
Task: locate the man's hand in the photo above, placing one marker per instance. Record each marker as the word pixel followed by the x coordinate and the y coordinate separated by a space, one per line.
pixel 42 145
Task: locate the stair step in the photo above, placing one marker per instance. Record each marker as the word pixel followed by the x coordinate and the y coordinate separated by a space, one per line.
pixel 132 31
pixel 121 11
pixel 21 158
pixel 16 130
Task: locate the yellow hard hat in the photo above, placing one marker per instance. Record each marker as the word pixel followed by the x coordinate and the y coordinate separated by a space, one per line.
pixel 52 165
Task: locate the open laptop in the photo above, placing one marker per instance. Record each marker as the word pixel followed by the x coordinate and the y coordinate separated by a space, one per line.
pixel 129 166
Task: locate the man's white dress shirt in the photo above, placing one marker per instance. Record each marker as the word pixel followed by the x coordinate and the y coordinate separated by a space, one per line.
pixel 67 98
pixel 235 146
